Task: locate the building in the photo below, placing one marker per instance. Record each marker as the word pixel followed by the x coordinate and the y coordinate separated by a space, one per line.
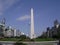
pixel 15 33
pixel 9 32
pixel 53 32
pixel 2 28
pixel 18 33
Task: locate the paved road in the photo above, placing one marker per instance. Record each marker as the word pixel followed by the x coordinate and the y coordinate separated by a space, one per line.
pixel 30 43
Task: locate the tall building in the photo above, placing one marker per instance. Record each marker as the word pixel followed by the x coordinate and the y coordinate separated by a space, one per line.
pixel 18 33
pixel 56 23
pixel 2 28
pixel 32 24
pixel 54 31
pixel 9 32
pixel 15 32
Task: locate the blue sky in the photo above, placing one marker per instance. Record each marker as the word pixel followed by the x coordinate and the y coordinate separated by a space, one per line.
pixel 17 14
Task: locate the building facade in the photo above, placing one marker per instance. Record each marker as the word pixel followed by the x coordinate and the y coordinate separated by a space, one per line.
pixel 53 32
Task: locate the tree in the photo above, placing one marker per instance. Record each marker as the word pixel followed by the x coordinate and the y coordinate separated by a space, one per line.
pixel 20 43
pixel 24 38
pixel 58 30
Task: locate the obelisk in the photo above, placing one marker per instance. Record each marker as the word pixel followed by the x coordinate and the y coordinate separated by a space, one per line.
pixel 32 24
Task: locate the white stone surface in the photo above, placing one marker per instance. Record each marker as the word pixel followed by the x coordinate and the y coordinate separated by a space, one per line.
pixel 32 24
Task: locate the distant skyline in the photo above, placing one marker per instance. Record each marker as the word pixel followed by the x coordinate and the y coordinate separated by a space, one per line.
pixel 17 14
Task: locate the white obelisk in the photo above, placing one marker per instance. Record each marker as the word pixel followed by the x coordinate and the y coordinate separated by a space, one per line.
pixel 32 24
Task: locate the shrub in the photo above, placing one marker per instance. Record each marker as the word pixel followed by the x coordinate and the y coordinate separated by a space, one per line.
pixel 20 43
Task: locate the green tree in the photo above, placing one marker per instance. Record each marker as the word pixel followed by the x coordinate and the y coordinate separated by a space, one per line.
pixel 20 43
pixel 58 30
pixel 24 38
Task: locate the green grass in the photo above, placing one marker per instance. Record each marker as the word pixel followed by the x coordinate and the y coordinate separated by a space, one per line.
pixel 44 39
pixel 9 39
pixel 18 39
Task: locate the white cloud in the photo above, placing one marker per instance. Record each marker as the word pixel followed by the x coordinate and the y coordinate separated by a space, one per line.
pixel 9 3
pixel 23 18
pixel 6 4
pixel 1 7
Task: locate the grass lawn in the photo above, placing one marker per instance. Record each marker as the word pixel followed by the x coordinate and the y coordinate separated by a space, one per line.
pixel 44 39
pixel 9 39
pixel 17 39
